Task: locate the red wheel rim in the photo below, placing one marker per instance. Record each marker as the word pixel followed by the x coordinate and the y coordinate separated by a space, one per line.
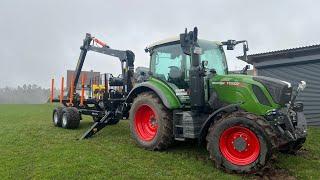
pixel 239 145
pixel 145 122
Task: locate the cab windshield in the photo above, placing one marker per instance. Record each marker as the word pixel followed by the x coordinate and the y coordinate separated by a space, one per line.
pixel 170 64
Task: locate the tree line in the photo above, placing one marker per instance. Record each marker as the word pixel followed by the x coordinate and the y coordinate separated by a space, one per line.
pixel 26 94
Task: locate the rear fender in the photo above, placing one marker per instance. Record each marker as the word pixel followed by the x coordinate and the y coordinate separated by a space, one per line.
pixel 165 93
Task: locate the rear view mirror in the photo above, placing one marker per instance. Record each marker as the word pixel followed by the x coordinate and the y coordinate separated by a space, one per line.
pixel 232 43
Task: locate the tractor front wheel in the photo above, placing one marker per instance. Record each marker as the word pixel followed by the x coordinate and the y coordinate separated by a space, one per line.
pixel 70 118
pixel 240 142
pixel 150 122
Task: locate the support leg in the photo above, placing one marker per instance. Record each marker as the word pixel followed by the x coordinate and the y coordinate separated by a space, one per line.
pixel 97 126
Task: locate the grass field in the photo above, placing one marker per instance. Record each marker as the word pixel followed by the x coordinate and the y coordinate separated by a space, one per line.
pixel 31 148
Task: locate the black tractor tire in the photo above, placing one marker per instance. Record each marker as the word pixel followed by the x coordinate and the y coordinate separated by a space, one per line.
pixel 260 134
pixel 57 116
pixel 293 147
pixel 161 118
pixel 70 118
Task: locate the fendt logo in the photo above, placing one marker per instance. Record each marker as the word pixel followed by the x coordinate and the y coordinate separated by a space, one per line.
pixel 228 83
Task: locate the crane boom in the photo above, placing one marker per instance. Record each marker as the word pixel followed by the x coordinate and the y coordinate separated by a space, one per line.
pixel 126 58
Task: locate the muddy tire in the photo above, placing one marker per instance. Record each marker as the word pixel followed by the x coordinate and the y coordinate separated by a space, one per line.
pixel 150 122
pixel 293 147
pixel 57 116
pixel 240 142
pixel 70 118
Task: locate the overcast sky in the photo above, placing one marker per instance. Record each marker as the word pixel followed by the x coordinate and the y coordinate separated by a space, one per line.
pixel 41 39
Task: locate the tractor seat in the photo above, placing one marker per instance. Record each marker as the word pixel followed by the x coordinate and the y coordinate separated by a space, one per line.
pixel 176 78
pixel 174 72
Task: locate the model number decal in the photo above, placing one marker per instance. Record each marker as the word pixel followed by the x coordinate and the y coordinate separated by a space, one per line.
pixel 228 83
pixel 181 92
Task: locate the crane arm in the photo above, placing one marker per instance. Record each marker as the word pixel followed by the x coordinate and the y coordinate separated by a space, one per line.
pixel 126 58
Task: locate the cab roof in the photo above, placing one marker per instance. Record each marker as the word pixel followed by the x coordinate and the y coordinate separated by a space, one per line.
pixel 172 40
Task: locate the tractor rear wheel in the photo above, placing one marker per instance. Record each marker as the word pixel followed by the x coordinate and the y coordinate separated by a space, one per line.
pixel 57 116
pixel 70 118
pixel 150 122
pixel 240 142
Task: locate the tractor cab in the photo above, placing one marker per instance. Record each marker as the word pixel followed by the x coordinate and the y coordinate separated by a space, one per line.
pixel 170 64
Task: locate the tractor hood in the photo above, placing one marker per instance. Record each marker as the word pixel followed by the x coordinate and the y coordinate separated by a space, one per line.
pixel 268 91
pixel 279 90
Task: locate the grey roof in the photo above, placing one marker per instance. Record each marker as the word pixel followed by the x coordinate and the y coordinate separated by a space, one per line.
pixel 170 40
pixel 285 53
pixel 164 41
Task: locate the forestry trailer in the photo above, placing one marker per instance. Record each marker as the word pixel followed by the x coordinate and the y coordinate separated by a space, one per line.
pixel 189 94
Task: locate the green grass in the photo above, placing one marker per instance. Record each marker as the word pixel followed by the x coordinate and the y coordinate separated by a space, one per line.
pixel 31 148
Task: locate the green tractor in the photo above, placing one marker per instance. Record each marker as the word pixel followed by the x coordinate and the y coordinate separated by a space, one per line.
pixel 189 94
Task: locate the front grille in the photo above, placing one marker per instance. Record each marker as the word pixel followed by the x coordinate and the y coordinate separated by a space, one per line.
pixel 279 90
pixel 260 95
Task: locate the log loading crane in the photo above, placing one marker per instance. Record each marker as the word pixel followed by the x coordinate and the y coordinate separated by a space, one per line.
pixel 105 111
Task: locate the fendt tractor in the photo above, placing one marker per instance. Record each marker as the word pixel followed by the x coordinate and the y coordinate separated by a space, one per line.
pixel 188 93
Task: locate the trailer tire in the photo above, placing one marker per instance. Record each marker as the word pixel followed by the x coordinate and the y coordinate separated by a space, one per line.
pixel 240 142
pixel 70 118
pixel 57 116
pixel 150 122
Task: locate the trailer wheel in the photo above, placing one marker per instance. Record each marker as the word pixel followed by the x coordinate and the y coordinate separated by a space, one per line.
pixel 150 122
pixel 70 118
pixel 240 142
pixel 57 116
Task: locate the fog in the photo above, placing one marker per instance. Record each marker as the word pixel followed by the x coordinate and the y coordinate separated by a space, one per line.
pixel 41 39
